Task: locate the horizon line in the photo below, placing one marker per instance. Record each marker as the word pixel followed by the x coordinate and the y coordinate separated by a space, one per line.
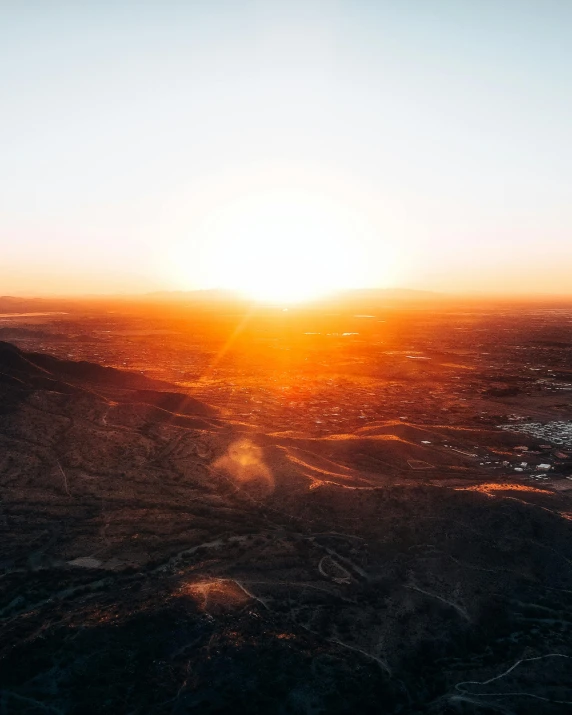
pixel 238 295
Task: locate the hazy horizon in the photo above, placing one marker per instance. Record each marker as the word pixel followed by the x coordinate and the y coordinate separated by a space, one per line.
pixel 277 145
pixel 398 293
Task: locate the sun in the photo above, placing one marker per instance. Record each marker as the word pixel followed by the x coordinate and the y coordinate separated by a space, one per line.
pixel 283 246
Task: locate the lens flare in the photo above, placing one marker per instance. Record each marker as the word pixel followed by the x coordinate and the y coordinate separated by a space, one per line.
pixel 244 463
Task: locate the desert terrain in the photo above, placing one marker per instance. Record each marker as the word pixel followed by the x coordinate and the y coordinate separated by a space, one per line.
pixel 361 505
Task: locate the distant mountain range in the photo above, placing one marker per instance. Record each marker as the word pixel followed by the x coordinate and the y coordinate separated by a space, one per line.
pixel 364 296
pixel 354 297
pixel 368 293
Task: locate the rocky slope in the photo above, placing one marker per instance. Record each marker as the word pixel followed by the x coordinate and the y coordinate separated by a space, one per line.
pixel 157 558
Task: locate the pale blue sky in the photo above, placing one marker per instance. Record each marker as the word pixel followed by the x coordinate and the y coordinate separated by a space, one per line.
pixel 444 123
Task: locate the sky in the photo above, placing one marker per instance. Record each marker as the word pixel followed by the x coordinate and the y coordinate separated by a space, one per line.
pixel 163 145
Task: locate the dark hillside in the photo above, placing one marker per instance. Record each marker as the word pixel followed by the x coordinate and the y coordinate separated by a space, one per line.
pixel 156 558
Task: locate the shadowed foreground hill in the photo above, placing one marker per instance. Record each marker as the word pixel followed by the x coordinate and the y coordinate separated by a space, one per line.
pixel 158 559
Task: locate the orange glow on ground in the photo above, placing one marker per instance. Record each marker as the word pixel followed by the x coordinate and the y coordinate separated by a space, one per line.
pixel 216 594
pixel 502 487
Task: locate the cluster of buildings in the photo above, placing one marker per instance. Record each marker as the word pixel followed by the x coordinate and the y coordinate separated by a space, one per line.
pixel 558 432
pixel 553 454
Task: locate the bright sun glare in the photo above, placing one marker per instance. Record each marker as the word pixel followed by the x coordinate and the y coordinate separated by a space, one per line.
pixel 284 246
